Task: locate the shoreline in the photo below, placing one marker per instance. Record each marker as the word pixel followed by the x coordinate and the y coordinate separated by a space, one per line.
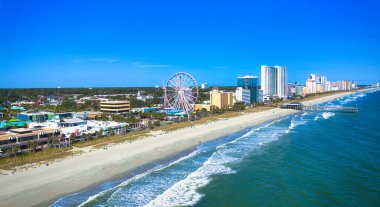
pixel 46 184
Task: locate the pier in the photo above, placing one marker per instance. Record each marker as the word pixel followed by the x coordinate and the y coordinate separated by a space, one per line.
pixel 331 109
pixel 301 107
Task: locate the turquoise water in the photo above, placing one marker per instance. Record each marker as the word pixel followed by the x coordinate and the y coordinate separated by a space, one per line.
pixel 309 159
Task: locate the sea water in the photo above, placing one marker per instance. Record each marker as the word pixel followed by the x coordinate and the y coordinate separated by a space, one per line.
pixel 307 159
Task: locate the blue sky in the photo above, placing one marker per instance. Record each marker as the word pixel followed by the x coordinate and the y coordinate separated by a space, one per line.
pixel 78 43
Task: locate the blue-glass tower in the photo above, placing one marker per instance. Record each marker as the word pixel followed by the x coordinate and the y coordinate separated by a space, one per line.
pixel 250 82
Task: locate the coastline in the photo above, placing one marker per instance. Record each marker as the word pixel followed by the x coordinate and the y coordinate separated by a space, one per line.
pixel 45 184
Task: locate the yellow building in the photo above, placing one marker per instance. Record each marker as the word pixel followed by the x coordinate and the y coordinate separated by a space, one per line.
pixel 115 106
pixel 199 107
pixel 319 88
pixel 221 99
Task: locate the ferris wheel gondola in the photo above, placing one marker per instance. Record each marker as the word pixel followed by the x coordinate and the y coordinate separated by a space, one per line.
pixel 181 92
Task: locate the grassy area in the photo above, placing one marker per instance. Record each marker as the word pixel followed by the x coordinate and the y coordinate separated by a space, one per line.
pixel 50 154
pixel 101 142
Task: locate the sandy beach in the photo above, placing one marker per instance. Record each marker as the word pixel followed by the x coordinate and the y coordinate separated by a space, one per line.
pixel 42 185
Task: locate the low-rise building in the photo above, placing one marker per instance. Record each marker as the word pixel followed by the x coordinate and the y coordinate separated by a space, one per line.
pixel 35 117
pixel 22 135
pixel 88 115
pixel 144 109
pixel 221 99
pixel 116 107
pixel 199 107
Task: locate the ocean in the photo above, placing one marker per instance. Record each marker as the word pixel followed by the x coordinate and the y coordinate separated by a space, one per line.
pixel 307 159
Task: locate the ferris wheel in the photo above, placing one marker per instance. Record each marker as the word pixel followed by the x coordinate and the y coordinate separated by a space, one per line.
pixel 181 91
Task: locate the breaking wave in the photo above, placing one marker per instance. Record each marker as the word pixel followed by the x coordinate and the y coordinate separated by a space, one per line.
pixel 184 192
pixel 327 115
pixel 177 183
pixel 297 121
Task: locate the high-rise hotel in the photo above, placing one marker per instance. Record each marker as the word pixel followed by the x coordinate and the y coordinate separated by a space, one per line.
pixel 273 81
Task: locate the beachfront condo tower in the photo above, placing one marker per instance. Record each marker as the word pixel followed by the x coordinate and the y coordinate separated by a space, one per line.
pixel 251 83
pixel 273 81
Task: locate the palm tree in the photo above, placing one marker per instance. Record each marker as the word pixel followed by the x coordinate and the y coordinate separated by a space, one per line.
pixel 29 144
pixel 34 145
pixel 56 142
pixel 50 140
pixel 83 137
pixel 71 138
pixel 99 133
pixel 111 131
pixel 15 150
pixel 90 135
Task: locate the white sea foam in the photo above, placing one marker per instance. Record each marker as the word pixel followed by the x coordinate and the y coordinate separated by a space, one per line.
pixel 173 192
pixel 295 122
pixel 353 97
pixel 327 115
pixel 184 192
pixel 118 187
pixel 316 118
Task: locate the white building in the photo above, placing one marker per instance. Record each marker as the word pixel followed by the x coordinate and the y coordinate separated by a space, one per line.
pixel 243 95
pixel 327 86
pixel 299 90
pixel 315 78
pixel 311 86
pixel 204 86
pixel 323 79
pixel 273 80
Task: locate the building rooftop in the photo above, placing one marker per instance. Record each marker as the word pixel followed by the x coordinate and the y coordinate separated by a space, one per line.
pixel 114 102
pixel 30 133
pixel 21 130
pixel 38 113
pixel 248 76
pixel 73 120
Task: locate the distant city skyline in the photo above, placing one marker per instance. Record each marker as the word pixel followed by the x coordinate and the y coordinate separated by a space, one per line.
pixel 141 43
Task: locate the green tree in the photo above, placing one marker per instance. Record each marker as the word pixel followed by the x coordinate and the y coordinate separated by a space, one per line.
pixel 238 107
pixel 69 104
